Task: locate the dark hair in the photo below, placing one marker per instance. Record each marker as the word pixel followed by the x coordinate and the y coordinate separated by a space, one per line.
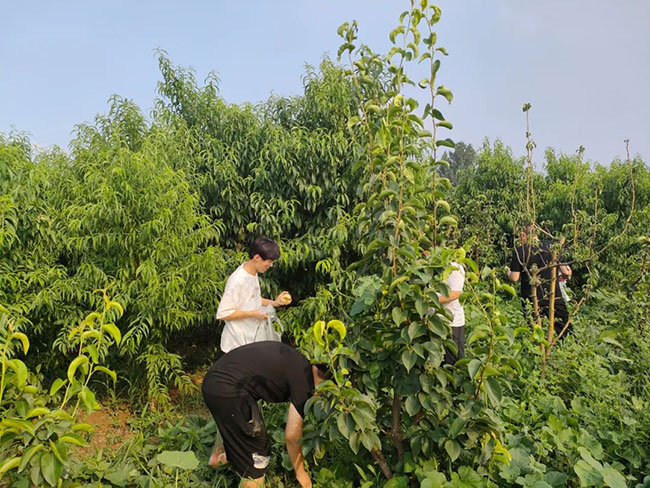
pixel 266 248
pixel 324 372
pixel 527 226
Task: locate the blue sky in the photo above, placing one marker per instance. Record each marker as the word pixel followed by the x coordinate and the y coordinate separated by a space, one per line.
pixel 583 64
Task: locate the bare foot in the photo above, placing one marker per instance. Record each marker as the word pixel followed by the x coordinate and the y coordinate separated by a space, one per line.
pixel 218 457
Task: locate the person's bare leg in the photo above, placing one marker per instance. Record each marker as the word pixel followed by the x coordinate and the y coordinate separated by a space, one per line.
pixel 256 483
pixel 218 457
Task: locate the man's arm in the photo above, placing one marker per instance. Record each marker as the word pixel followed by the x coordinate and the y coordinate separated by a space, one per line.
pixel 293 433
pixel 245 314
pixel 453 295
pixel 566 271
pixel 517 263
pixel 229 306
pixel 513 275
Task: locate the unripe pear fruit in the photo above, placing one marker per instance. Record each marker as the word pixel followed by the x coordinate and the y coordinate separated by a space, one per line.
pixel 285 299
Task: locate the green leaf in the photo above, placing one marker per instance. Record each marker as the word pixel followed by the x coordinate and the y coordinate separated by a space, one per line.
pixel 453 449
pixel 609 336
pixel 90 334
pixel 75 439
pixel 319 330
pixel 396 282
pixel 28 455
pixel 409 358
pixel 51 468
pixel 493 390
pixel 113 331
pixel 397 482
pixel 433 480
pixel 446 143
pixel 21 372
pixel 449 220
pixel 88 398
pixel 37 412
pixel 509 289
pixel 91 349
pixel 23 339
pixel 556 479
pixel 56 386
pixel 344 426
pixel 21 425
pixel 398 316
pixel 415 330
pixel 613 478
pixel 82 427
pixel 395 32
pixel 477 335
pixel 338 326
pixel 76 362
pixel 456 426
pixel 370 440
pixel 55 450
pixel 444 204
pixel 116 306
pixel 120 476
pixel 110 373
pixel 61 414
pixel 412 405
pixel 178 459
pixel 588 475
pixel 354 120
pixel 473 367
pixel 9 464
pixel 445 92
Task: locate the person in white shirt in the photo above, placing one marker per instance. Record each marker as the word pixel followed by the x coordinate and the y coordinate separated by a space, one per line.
pixel 455 282
pixel 241 304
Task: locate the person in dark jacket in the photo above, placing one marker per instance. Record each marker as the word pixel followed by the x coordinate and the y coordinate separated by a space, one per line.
pixel 525 258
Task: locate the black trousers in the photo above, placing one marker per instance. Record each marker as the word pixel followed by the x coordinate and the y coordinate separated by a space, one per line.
pixel 245 438
pixel 561 313
pixel 458 334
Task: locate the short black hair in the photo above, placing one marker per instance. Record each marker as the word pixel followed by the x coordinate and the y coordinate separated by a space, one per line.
pixel 324 371
pixel 266 247
pixel 527 226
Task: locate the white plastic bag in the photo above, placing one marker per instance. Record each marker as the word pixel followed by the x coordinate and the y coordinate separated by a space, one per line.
pixel 563 290
pixel 265 330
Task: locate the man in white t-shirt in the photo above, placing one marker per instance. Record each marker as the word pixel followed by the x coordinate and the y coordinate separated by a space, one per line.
pixel 241 304
pixel 455 282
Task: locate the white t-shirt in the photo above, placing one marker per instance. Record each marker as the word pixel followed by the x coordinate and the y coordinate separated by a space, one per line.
pixel 242 292
pixel 455 282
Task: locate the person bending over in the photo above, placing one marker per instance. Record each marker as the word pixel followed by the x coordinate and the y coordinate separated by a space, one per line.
pixel 269 371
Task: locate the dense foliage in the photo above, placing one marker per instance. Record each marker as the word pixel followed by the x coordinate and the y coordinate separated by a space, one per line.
pixel 351 180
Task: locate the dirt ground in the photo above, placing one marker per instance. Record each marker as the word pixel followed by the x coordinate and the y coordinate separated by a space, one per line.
pixel 111 425
pixel 111 429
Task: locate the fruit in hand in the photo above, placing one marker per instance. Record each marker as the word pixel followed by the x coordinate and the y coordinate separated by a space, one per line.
pixel 285 299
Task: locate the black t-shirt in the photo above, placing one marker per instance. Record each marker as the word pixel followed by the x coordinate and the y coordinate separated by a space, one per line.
pixel 524 259
pixel 270 371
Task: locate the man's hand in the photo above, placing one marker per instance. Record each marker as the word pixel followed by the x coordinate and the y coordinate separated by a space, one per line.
pixel 258 314
pixel 303 479
pixel 282 299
